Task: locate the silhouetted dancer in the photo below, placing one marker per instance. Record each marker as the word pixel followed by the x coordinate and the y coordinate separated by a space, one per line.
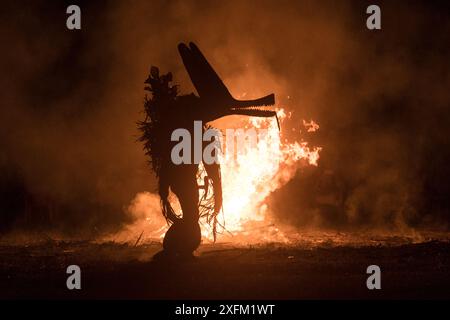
pixel 167 111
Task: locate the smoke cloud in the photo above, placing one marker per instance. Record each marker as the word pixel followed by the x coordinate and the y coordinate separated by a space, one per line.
pixel 70 162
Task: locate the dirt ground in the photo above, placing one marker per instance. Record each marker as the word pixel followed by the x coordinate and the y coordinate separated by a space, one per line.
pixel 225 271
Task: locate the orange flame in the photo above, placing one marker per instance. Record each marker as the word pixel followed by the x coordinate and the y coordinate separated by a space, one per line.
pixel 248 178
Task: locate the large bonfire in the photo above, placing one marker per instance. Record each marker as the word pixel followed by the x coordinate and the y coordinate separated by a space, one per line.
pixel 249 175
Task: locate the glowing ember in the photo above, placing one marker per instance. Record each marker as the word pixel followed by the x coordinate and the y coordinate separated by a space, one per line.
pixel 310 126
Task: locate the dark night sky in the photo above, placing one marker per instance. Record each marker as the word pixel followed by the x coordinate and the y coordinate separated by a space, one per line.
pixel 71 99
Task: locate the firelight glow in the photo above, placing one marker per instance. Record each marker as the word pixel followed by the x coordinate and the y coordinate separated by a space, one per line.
pixel 248 177
pixel 252 174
